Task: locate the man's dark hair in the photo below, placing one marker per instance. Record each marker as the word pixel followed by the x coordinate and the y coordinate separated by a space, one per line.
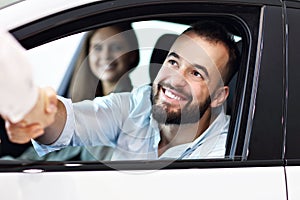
pixel 213 31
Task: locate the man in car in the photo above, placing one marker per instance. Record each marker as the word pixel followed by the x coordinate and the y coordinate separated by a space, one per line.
pixel 181 116
pixel 20 97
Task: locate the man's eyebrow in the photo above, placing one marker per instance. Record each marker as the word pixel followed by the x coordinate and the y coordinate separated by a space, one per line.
pixel 202 68
pixel 173 54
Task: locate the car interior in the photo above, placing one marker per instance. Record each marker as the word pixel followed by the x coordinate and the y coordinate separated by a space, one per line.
pixel 156 57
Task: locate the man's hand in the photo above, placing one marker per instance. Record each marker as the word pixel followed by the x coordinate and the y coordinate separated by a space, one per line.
pixel 44 110
pixel 34 123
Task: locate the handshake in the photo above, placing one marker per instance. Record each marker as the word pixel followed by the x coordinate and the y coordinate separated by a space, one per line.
pixel 36 120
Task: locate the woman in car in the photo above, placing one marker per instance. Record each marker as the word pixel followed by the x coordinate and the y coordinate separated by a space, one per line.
pixel 106 57
pixel 104 62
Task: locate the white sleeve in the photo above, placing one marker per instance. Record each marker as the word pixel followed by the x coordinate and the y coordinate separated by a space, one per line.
pixel 18 93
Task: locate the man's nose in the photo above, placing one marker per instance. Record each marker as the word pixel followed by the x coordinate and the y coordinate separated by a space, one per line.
pixel 179 77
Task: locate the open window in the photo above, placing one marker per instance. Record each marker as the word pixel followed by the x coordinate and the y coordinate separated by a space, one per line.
pixel 151 23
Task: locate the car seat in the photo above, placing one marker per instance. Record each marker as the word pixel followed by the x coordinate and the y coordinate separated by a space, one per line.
pixel 159 53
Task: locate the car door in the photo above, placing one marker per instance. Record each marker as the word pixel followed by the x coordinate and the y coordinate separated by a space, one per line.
pixel 253 167
pixel 292 154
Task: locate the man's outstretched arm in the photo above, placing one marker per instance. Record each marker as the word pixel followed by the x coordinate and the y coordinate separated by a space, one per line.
pixel 53 131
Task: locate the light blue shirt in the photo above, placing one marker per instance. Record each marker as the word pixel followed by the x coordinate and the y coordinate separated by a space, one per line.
pixel 124 122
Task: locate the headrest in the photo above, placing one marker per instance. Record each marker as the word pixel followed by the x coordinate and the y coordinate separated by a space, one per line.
pixel 160 52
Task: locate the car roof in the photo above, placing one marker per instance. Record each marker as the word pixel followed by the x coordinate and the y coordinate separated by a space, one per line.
pixel 6 3
pixel 27 11
pixel 23 12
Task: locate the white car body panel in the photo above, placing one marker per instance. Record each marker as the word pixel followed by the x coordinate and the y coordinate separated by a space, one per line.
pixel 293 182
pixel 30 10
pixel 250 183
pixel 225 183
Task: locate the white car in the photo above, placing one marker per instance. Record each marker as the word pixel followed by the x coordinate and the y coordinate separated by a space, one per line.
pixel 262 150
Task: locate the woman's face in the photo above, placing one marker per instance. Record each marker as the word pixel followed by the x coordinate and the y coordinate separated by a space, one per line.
pixel 107 54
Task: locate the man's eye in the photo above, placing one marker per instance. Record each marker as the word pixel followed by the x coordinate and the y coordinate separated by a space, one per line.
pixel 197 74
pixel 172 62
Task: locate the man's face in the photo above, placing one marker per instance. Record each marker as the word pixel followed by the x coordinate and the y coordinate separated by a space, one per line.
pixel 185 87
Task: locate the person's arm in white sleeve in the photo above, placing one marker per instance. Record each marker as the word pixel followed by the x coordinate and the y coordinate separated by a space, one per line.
pixel 22 102
pixel 17 89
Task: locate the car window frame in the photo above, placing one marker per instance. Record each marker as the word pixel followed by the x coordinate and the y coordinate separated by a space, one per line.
pixel 38 33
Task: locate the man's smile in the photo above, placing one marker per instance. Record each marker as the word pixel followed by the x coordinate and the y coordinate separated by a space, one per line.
pixel 171 96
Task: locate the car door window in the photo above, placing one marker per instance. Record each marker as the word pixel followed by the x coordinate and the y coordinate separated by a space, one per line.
pixel 58 57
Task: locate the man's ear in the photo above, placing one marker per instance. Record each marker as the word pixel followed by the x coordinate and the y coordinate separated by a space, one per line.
pixel 220 96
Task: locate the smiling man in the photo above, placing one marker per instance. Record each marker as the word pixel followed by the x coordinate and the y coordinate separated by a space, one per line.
pixel 181 116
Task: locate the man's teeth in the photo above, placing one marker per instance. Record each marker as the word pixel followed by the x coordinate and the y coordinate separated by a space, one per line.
pixel 171 95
